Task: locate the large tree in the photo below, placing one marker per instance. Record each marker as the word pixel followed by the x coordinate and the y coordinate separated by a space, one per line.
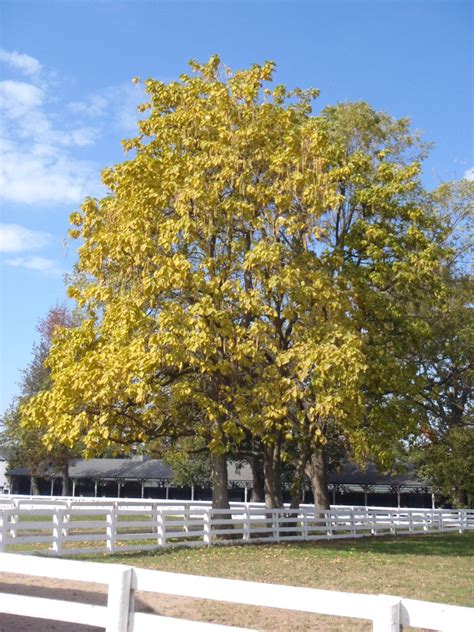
pixel 251 276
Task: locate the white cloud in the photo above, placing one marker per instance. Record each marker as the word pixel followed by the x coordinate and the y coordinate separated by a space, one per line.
pixel 17 97
pixel 39 264
pixel 83 136
pixel 32 176
pixel 22 104
pixel 20 61
pixel 93 106
pixel 15 238
pixel 40 162
pixel 469 174
pixel 37 166
pixel 119 103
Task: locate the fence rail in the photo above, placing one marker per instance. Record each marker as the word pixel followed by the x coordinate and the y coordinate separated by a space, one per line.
pixel 94 525
pixel 387 613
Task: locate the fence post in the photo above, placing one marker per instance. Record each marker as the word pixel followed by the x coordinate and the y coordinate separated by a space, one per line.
pixel 186 516
pixel 328 517
pixel 304 523
pixel 118 599
pixel 276 524
pixel 3 530
pixel 387 614
pixel 66 521
pixel 393 531
pixel 111 529
pixel 373 522
pixel 161 527
pixel 207 538
pixel 441 521
pixel 9 516
pixel 352 522
pixel 14 521
pixel 423 521
pixel 58 531
pixel 246 529
pixel 430 518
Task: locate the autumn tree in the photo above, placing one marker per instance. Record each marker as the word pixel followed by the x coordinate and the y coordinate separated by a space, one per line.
pixel 343 302
pixel 251 276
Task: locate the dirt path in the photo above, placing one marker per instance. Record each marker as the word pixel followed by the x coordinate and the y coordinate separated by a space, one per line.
pixel 197 609
pixel 53 589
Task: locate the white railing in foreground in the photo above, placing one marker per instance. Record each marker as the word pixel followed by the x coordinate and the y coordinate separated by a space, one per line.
pixel 98 527
pixel 388 613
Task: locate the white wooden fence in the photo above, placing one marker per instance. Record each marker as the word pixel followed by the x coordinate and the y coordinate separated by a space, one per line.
pixel 107 526
pixel 387 613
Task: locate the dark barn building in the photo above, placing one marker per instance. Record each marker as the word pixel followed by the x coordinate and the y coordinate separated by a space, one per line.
pixel 152 478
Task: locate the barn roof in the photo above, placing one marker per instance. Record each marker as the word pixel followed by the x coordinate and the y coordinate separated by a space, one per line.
pixel 349 476
pixel 112 469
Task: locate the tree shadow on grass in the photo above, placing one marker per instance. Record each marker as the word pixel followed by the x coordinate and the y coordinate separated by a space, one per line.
pixel 452 544
pixel 449 544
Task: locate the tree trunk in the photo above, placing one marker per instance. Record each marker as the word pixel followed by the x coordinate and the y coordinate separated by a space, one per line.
pixel 258 487
pixel 298 481
pixel 34 486
pixel 317 475
pixel 220 491
pixel 271 469
pixel 460 499
pixel 65 479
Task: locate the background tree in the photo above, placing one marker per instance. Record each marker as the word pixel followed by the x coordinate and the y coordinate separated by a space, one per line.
pixel 25 445
pixel 190 463
pixel 442 447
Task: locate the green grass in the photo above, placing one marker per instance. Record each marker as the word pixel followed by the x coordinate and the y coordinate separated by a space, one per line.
pixel 25 520
pixel 83 517
pixel 430 567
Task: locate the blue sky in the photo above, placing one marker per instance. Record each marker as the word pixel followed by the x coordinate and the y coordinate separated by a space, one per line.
pixel 66 101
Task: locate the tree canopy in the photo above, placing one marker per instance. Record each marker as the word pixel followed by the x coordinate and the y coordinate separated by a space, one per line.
pixel 255 271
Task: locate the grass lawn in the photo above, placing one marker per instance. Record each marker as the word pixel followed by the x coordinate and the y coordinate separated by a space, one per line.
pixel 429 567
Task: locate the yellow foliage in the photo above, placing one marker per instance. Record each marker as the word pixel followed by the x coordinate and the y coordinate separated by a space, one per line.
pixel 238 274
